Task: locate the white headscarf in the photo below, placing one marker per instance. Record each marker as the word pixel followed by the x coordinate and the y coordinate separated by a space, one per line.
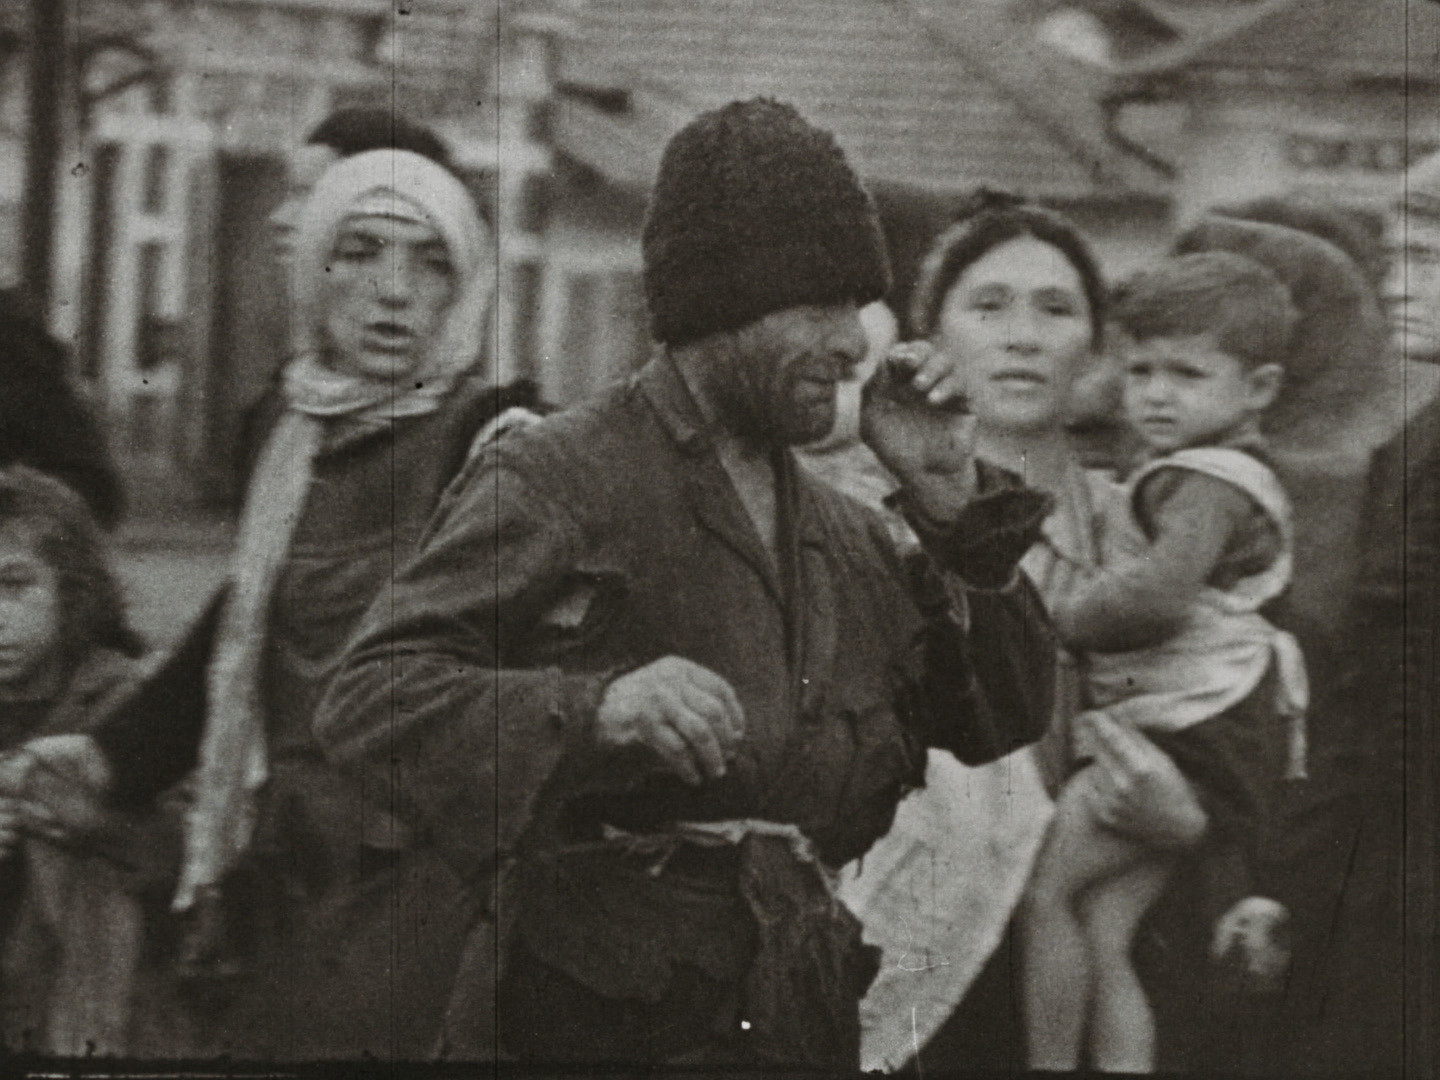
pixel 233 758
pixel 407 187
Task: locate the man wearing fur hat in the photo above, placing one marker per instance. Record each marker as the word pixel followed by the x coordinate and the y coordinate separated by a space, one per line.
pixel 744 673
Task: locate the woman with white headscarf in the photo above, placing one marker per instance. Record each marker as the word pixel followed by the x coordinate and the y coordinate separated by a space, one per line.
pixel 314 921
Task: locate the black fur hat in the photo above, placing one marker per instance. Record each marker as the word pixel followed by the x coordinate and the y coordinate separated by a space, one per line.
pixel 755 211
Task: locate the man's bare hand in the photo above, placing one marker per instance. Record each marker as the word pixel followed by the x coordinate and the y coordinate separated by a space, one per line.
pixel 912 417
pixel 686 714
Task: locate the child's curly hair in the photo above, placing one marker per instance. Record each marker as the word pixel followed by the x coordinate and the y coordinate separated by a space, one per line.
pixel 47 514
pixel 1233 297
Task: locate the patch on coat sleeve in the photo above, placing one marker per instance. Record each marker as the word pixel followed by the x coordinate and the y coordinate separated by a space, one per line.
pixel 570 611
pixel 587 603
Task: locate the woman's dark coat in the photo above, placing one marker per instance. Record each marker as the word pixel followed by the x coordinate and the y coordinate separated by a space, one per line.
pixel 342 930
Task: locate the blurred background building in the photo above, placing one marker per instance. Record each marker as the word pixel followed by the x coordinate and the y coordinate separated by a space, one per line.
pixel 143 144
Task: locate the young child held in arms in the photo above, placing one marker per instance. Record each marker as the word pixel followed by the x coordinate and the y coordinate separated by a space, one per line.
pixel 70 934
pixel 1175 645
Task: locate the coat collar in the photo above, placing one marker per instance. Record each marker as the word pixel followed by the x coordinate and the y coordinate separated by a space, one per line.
pixel 713 497
pixel 708 488
pixel 660 383
pixel 799 578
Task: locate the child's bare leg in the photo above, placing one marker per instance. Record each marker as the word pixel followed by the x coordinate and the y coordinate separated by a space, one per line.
pixel 1122 1027
pixel 1058 977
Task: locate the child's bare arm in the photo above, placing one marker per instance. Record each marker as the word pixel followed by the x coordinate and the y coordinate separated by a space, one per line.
pixel 1142 600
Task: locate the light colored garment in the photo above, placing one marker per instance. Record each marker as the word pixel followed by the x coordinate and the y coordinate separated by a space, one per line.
pixel 233 757
pixel 232 762
pixel 851 468
pixel 938 890
pixel 1226 647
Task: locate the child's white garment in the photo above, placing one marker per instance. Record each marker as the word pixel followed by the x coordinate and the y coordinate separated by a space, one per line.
pixel 1226 646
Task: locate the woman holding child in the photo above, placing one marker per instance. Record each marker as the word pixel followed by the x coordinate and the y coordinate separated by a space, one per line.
pixel 1014 290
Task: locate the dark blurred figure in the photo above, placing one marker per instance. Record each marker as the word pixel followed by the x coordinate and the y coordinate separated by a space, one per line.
pixel 1359 233
pixel 1381 938
pixel 1353 852
pixel 43 422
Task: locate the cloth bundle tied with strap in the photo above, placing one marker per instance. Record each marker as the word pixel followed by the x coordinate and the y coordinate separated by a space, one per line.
pixel 798 1001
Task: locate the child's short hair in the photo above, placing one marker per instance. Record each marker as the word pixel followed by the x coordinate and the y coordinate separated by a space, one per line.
pixel 52 517
pixel 1210 292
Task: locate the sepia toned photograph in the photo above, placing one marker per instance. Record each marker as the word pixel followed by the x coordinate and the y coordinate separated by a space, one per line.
pixel 719 537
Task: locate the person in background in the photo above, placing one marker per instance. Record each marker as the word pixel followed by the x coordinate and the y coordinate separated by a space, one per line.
pixel 340 135
pixel 1174 645
pixel 43 421
pixel 1334 857
pixel 1363 860
pixel 312 922
pixel 1010 286
pixel 70 930
pixel 841 458
pixel 738 671
pixel 1359 233
pixel 1396 613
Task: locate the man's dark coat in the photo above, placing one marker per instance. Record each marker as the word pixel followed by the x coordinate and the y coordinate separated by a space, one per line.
pixel 591 544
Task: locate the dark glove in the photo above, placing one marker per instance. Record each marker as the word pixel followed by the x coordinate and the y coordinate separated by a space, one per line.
pixel 985 544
